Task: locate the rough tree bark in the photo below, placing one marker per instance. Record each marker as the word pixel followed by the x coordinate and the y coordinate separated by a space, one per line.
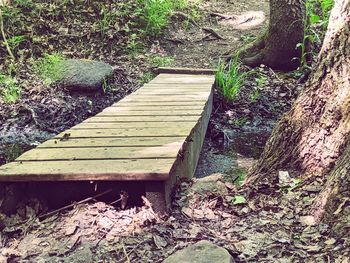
pixel 313 137
pixel 278 47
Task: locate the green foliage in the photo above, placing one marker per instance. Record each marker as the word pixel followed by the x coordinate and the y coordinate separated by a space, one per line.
pixel 318 11
pixel 255 95
pixel 146 77
pixel 107 19
pixel 239 122
pixel 296 182
pixel 134 45
pixel 238 175
pixel 48 68
pixel 9 89
pixel 230 79
pixel 12 151
pixel 15 41
pixel 316 21
pixel 160 61
pixel 156 13
pixel 238 200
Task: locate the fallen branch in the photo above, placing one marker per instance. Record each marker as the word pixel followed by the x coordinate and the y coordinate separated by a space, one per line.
pixel 4 36
pixel 212 32
pixel 73 204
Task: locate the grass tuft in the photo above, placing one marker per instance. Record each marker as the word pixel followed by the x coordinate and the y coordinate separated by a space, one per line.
pixel 230 79
pixel 48 68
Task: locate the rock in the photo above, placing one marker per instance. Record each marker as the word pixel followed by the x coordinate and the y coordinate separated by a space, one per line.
pixel 201 252
pixel 212 184
pixel 84 75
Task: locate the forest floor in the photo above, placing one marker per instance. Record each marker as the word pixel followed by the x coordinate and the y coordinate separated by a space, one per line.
pixel 265 226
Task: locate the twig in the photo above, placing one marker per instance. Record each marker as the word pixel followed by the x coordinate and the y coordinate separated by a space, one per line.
pixel 132 250
pixel 116 201
pixel 4 36
pixel 126 254
pixel 72 205
pixel 211 31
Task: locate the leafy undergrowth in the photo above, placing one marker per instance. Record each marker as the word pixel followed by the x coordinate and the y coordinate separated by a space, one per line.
pixel 269 226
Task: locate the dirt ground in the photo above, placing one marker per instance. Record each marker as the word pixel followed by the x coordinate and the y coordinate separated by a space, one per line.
pixel 264 229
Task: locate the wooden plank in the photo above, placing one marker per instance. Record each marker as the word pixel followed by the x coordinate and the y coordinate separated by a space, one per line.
pixel 200 93
pixel 118 170
pixel 119 112
pixel 157 103
pixel 183 78
pixel 142 119
pixel 163 108
pixel 168 98
pixel 123 125
pixel 193 71
pixel 127 132
pixel 112 142
pixel 102 153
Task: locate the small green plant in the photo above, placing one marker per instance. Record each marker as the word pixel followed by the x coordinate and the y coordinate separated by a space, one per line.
pixel 239 122
pixel 255 95
pixel 134 44
pixel 157 13
pixel 10 91
pixel 160 61
pixel 247 38
pixel 317 16
pixel 107 19
pixel 230 79
pixel 146 77
pixel 238 200
pixel 49 67
pixel 15 41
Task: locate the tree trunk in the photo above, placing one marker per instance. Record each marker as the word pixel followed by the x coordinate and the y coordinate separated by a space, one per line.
pixel 278 48
pixel 313 137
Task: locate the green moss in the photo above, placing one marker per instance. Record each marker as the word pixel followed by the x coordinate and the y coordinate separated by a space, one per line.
pixel 49 67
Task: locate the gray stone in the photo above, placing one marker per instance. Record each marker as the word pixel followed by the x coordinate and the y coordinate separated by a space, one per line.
pixel 212 184
pixel 201 252
pixel 84 75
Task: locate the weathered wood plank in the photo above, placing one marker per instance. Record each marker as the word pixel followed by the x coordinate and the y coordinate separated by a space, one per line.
pixel 112 142
pixel 170 98
pixel 200 93
pixel 153 108
pixel 127 132
pixel 119 170
pixel 198 71
pixel 118 112
pixel 124 125
pixel 157 103
pixel 102 153
pixel 182 78
pixel 142 119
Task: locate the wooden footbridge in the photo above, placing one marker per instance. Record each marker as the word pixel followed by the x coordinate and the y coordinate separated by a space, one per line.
pixel 153 136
